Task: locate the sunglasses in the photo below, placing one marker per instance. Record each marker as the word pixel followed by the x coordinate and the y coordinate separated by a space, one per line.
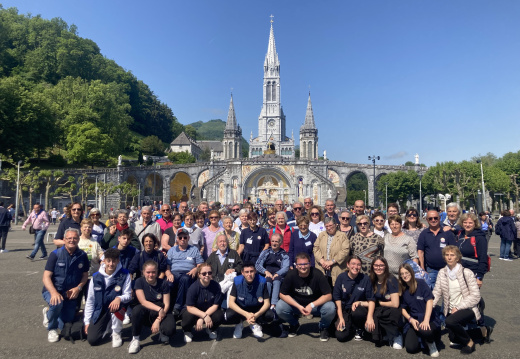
pixel 182 237
pixel 363 223
pixel 411 215
pixel 307 202
pixel 236 209
pixel 95 214
pixel 433 219
pixel 314 214
pixel 345 218
pixel 205 273
pixel 166 210
pixel 76 209
pixel 297 208
pixel 213 217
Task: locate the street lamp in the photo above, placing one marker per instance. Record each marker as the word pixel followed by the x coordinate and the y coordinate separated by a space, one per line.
pixel 386 195
pixel 365 196
pixel 420 174
pixel 17 194
pixel 373 159
pixel 483 188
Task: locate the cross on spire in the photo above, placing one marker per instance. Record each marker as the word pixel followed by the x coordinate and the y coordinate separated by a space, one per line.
pixel 272 16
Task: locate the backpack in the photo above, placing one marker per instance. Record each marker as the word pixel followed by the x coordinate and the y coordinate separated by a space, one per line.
pixel 474 244
pixel 420 273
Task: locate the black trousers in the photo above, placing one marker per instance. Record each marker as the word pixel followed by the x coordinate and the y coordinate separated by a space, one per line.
pixel 233 317
pixel 96 330
pixel 3 235
pixel 189 320
pixel 387 321
pixel 411 339
pixel 142 316
pixel 455 324
pixel 353 320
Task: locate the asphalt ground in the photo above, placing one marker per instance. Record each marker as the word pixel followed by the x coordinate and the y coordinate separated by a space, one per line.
pixel 23 336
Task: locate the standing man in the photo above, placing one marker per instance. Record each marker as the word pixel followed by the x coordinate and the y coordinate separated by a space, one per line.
pixel 166 220
pixel 183 208
pixel 307 203
pixel 305 290
pixel 359 210
pixel 65 275
pixel 297 211
pixel 392 210
pixel 54 215
pixel 280 207
pixel 330 206
pixel 146 225
pixel 234 211
pixel 5 223
pixel 39 222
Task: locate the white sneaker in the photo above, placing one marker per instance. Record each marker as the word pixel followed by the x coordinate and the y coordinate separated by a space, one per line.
pixel 434 353
pixel 127 319
pixel 257 330
pixel 188 337
pixel 164 339
pixel 237 334
pixel 359 335
pixel 398 342
pixel 212 334
pixel 134 346
pixel 117 341
pixel 45 318
pixel 53 336
pixel 5 251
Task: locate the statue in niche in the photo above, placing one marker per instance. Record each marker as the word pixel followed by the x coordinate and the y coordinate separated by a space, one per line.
pixel 235 190
pixel 204 193
pixel 119 160
pixel 315 192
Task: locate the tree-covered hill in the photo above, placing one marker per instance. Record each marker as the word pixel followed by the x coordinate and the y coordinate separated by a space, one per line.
pixel 212 130
pixel 58 93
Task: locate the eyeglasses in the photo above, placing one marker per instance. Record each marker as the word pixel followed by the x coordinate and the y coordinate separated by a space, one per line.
pixel 411 215
pixel 345 218
pixel 213 217
pixel 307 202
pixel 95 214
pixel 314 214
pixel 379 265
pixel 297 208
pixel 166 210
pixel 76 209
pixel 433 218
pixel 182 237
pixel 205 273
pixel 363 223
pixel 236 209
pixel 302 264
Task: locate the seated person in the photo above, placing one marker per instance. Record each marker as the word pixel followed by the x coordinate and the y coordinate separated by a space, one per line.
pixel 387 312
pixel 354 301
pixel 183 260
pixel 127 251
pixel 224 260
pixel 153 309
pixel 203 305
pixel 108 293
pixel 149 243
pixel 417 310
pixel 273 263
pixel 65 275
pixel 249 301
pixel 305 290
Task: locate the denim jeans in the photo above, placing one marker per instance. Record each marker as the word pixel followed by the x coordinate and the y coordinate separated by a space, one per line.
pixel 505 247
pixel 38 243
pixel 433 276
pixel 273 286
pixel 290 314
pixel 61 313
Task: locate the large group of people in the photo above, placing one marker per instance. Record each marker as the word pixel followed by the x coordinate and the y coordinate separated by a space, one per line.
pixel 365 277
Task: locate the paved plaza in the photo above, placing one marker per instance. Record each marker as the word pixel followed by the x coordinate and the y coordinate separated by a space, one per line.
pixel 23 336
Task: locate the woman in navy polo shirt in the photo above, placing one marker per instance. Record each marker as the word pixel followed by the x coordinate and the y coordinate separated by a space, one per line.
pixel 417 309
pixel 302 240
pixel 387 312
pixel 253 240
pixel 203 305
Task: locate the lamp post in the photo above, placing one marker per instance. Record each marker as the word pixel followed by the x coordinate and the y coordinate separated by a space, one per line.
pixel 17 194
pixel 373 159
pixel 483 188
pixel 420 174
pixel 386 195
pixel 365 196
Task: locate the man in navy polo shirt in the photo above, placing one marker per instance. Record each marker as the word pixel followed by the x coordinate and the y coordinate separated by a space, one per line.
pixel 65 275
pixel 430 244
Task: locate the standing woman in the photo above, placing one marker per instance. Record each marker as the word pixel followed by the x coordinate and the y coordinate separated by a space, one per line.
pixel 270 221
pixel 210 233
pixel 71 221
pixel 203 302
pixel 412 224
pixel 344 223
pixel 316 224
pixel 242 219
pixel 506 229
pixel 417 310
pixel 457 287
pixel 398 246
pixel 387 312
pixel 378 220
pixel 253 240
pixel 366 244
pixel 302 240
pixel 153 309
pixel 98 227
pixel 232 236
pixel 168 238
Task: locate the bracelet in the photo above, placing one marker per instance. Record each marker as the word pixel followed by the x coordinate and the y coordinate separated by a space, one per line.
pixel 410 319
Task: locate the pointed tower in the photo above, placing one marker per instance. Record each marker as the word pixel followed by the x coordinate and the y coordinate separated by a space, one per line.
pixel 232 135
pixel 271 122
pixel 309 135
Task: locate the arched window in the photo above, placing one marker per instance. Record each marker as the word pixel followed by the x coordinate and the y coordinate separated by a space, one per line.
pixel 274 91
pixel 268 91
pixel 304 150
pixel 309 148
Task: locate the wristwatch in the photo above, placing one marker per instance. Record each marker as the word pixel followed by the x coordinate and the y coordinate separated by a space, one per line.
pixel 312 305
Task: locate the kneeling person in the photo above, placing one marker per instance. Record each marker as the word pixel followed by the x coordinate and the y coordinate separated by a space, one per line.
pixel 108 292
pixel 249 300
pixel 307 291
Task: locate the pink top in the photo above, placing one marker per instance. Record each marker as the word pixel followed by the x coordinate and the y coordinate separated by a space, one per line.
pixel 39 220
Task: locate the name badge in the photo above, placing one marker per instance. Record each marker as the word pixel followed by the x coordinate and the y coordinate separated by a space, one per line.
pixel 80 265
pixel 259 237
pixel 443 245
pixel 241 298
pixel 61 264
pixel 97 288
pixel 189 258
pixel 308 243
pixel 249 241
pixel 231 260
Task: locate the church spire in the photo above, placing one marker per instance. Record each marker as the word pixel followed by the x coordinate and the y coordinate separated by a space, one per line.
pixel 309 116
pixel 231 123
pixel 271 59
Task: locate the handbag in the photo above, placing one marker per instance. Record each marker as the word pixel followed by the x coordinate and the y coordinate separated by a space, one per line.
pixel 31 230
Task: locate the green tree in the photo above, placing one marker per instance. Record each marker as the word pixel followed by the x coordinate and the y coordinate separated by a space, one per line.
pixel 401 186
pixel 181 157
pixel 68 187
pixel 152 145
pixel 191 132
pixel 50 179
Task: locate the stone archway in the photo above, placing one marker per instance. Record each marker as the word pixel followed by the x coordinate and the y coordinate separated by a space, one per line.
pixel 180 187
pixel 356 184
pixel 380 196
pixel 268 185
pixel 153 187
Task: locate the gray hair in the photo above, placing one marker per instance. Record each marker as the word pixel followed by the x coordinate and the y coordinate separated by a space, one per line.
pixel 224 211
pixel 330 200
pixel 312 201
pixel 297 202
pixel 122 211
pixel 112 214
pixel 226 218
pixel 75 230
pixel 284 215
pixel 95 210
pixel 278 235
pixel 329 219
pixel 147 209
pixel 243 211
pixel 453 204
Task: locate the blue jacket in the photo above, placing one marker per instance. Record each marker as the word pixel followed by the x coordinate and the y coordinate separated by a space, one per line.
pixel 248 294
pixel 506 228
pixel 275 263
pixel 104 296
pixel 68 270
pixel 5 217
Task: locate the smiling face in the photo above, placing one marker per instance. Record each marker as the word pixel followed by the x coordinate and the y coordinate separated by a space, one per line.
pixel 469 225
pixel 148 244
pixel 329 207
pixel 166 212
pixel 405 275
pixel 392 211
pixel 303 227
pixel 359 207
pixel 453 213
pixel 379 222
pixel 303 267
pixel 315 215
pixel 222 243
pixel 86 230
pixel 228 224
pixel 331 228
pixel 177 221
pixel 395 227
pixel 354 267
pixel 200 222
pixel 276 242
pixel 243 218
pixel 71 239
pixel 433 220
pixel 378 267
pixel 122 219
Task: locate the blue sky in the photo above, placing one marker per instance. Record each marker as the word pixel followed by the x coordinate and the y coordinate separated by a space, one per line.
pixel 388 78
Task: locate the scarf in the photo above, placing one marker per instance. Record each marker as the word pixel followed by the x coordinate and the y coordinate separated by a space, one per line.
pixel 452 273
pixel 120 228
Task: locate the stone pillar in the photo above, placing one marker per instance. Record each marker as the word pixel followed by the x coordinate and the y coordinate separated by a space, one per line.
pixel 371 194
pixel 166 190
pixel 229 194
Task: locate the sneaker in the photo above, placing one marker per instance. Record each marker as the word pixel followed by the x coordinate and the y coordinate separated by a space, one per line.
pixel 45 318
pixel 237 334
pixel 164 339
pixel 324 335
pixel 134 346
pixel 434 353
pixel 508 259
pixel 397 343
pixel 127 320
pixel 188 337
pixel 359 335
pixel 117 341
pixel 293 330
pixel 212 334
pixel 501 258
pixel 5 251
pixel 29 257
pixel 257 330
pixel 43 257
pixel 53 336
pixel 468 349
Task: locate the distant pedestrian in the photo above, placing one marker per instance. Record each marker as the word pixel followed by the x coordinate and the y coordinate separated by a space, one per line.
pixel 39 223
pixel 506 229
pixel 5 223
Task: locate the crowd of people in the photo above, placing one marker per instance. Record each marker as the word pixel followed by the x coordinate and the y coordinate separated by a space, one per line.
pixel 367 277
